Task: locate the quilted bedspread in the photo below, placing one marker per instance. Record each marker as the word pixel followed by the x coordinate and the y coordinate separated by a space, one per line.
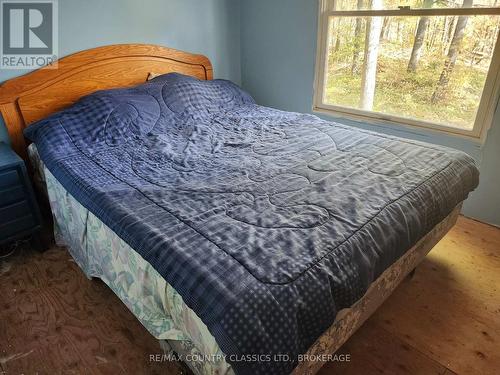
pixel 265 222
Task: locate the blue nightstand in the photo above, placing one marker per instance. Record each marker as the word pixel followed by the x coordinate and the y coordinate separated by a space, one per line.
pixel 19 212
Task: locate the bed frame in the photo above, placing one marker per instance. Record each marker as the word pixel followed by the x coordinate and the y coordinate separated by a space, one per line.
pixel 36 95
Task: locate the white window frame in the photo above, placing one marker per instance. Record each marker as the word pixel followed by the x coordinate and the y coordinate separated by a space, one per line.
pixel 489 99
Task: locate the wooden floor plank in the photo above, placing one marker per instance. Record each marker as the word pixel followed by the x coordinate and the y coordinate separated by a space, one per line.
pixel 376 351
pixel 451 309
pixel 446 320
pixel 58 321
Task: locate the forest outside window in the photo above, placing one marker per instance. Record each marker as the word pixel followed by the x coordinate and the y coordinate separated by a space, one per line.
pixel 425 63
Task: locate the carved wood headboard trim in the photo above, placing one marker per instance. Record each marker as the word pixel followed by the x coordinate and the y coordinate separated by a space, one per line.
pixel 26 99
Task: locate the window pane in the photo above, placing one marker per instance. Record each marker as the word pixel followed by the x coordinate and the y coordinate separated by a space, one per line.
pixel 426 68
pixel 414 4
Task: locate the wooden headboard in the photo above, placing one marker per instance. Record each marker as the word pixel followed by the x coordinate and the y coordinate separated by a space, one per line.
pixel 36 95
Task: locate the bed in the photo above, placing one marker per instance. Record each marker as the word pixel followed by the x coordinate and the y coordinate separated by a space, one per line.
pixel 255 238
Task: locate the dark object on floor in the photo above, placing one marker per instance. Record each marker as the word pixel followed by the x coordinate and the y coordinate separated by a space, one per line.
pixel 19 213
pixel 411 275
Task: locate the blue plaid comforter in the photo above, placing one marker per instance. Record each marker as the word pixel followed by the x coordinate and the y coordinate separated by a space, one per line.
pixel 266 222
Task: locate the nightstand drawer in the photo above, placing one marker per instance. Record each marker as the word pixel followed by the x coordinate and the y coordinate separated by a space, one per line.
pixel 9 178
pixel 14 211
pixel 11 195
pixel 17 226
pixel 19 213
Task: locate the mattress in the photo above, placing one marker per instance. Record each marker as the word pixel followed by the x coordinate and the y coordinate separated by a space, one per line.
pixel 267 223
pixel 101 253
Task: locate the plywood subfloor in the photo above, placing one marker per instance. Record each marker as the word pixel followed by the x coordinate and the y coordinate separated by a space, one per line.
pixel 445 320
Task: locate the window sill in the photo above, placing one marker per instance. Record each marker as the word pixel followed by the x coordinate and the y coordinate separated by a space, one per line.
pixel 427 130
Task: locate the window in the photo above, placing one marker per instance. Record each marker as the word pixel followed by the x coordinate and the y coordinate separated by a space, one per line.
pixel 426 63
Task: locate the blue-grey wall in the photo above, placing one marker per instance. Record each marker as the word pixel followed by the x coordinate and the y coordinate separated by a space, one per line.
pixel 209 27
pixel 278 51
